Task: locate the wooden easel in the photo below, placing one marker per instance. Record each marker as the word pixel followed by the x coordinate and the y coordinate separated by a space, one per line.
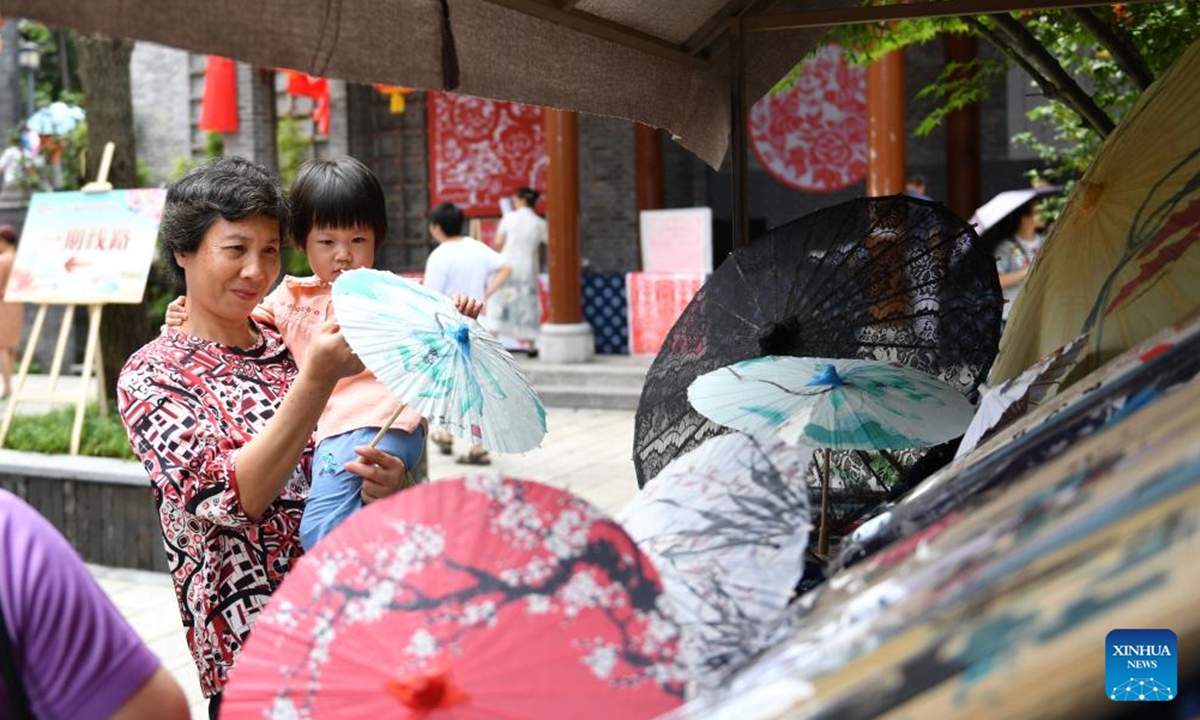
pixel 91 354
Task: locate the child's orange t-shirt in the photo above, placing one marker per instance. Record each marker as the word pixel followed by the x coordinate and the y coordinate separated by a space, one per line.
pixel 296 308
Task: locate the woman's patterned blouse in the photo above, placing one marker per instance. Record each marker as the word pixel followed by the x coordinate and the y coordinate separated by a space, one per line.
pixel 188 406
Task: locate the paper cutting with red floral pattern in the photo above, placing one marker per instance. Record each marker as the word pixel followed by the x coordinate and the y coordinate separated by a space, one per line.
pixel 483 150
pixel 813 137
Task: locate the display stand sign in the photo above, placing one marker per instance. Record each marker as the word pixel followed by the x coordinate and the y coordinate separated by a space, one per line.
pixel 655 303
pixel 84 249
pixel 81 248
pixel 677 241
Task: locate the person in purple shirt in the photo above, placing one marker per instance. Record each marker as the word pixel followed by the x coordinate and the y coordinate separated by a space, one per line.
pixel 66 653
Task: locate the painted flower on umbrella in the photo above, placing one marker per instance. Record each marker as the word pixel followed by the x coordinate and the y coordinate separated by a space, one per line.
pixel 479 597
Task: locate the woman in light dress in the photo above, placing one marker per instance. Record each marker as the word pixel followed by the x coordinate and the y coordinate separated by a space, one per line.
pixel 515 309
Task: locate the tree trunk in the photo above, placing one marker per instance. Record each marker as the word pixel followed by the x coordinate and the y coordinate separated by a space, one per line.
pixel 107 99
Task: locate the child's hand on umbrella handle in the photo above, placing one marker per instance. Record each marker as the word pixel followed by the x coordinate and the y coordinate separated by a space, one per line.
pixel 382 474
pixel 466 305
pixel 176 312
pixel 329 354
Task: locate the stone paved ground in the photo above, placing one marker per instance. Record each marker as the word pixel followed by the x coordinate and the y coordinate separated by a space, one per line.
pixel 585 451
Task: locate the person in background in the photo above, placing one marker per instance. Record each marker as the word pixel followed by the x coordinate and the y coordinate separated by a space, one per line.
pixel 221 417
pixel 65 652
pixel 461 265
pixel 12 315
pixel 917 186
pixel 516 308
pixel 1015 253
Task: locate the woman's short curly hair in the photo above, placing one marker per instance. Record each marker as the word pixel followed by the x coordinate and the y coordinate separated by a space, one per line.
pixel 232 188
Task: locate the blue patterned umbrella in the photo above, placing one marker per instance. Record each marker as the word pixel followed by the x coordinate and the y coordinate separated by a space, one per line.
pixel 832 403
pixel 441 363
pixel 844 404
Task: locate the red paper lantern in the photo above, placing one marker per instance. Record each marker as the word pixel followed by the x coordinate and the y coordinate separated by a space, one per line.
pixel 218 109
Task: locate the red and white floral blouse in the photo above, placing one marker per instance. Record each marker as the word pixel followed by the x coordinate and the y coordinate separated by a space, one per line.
pixel 188 406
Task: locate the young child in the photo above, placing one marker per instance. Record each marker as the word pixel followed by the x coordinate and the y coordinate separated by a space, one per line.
pixel 337 216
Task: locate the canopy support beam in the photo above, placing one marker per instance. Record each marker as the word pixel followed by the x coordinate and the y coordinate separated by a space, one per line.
pixel 605 30
pixel 829 17
pixel 740 132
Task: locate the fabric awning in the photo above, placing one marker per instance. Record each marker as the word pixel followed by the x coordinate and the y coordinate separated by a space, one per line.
pixel 659 62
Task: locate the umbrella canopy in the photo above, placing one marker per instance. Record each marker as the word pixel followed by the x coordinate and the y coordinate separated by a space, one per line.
pixel 726 525
pixel 642 60
pixel 825 402
pixel 1121 261
pixel 57 118
pixel 480 597
pixel 996 210
pixel 1008 401
pixel 893 279
pixel 438 361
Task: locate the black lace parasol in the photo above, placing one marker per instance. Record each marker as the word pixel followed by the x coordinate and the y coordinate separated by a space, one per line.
pixel 894 279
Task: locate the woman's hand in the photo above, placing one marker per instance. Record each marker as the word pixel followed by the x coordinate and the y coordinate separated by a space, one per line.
pixel 329 356
pixel 382 474
pixel 176 312
pixel 466 305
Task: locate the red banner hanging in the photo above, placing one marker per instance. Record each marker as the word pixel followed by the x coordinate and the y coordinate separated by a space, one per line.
pixel 482 150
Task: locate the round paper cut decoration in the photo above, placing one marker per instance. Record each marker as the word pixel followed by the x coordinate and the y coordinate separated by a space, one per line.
pixel 813 137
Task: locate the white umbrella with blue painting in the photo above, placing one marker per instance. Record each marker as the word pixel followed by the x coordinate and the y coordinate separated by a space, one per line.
pixel 832 403
pixel 438 361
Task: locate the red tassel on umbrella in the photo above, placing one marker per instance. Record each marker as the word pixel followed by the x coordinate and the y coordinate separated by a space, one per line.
pixel 218 110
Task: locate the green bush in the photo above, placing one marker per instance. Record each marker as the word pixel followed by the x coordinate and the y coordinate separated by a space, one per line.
pixel 51 433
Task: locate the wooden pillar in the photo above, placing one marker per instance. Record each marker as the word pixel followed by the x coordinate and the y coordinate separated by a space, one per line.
pixel 562 217
pixel 739 133
pixel 648 155
pixel 962 137
pixel 885 125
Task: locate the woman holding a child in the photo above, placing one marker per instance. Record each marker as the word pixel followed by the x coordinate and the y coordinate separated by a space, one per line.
pixel 222 418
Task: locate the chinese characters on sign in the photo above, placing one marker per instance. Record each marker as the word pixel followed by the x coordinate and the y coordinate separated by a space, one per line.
pixel 86 249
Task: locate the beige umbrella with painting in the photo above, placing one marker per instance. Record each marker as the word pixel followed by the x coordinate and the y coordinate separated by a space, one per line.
pixel 1122 261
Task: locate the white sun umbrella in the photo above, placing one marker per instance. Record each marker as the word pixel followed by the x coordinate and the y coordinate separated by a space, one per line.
pixel 832 403
pixel 438 361
pixel 726 525
pixel 1004 204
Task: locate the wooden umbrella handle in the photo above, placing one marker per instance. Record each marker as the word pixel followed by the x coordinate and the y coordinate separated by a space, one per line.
pixel 388 426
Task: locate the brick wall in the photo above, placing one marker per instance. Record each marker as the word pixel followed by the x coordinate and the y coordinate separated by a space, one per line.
pixel 608 221
pixel 396 148
pixel 161 86
pixel 256 102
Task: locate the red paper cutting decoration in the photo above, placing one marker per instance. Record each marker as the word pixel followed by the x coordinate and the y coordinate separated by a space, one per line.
pixel 218 109
pixel 482 150
pixel 813 137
